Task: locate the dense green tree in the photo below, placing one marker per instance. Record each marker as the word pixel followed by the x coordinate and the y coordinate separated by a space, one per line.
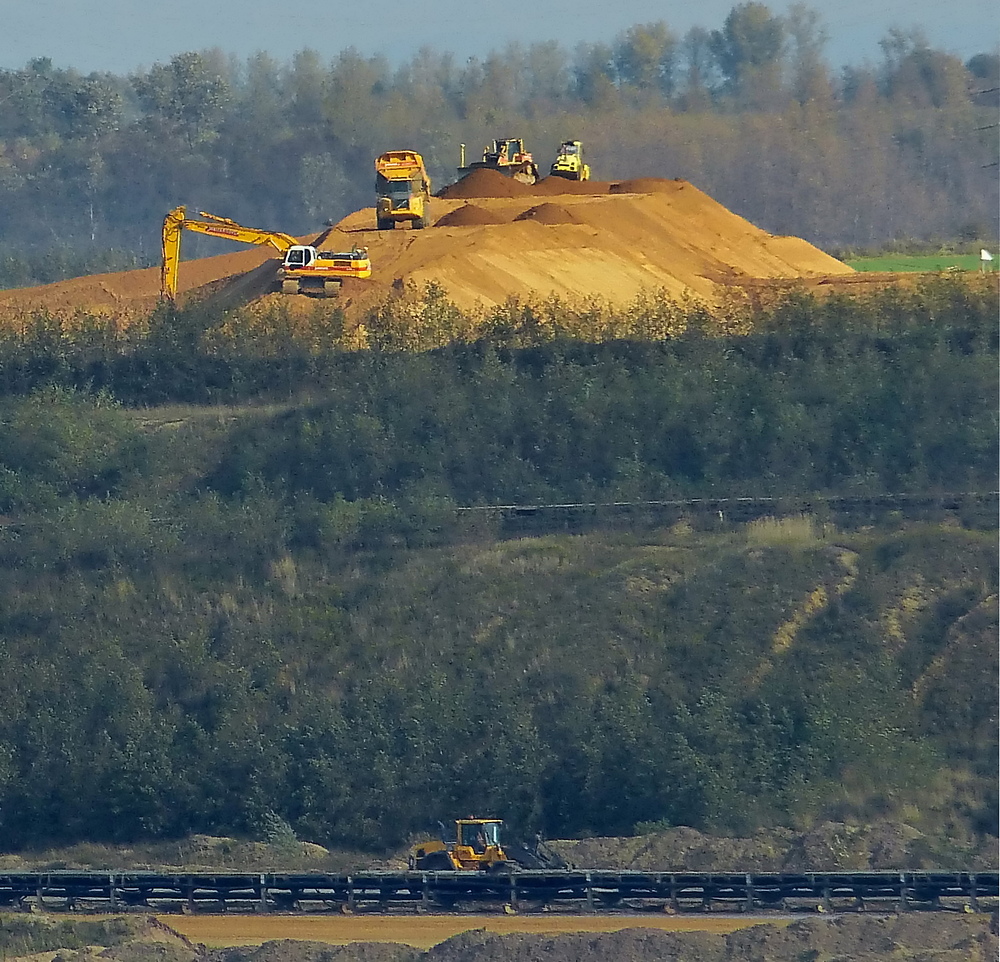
pixel 749 49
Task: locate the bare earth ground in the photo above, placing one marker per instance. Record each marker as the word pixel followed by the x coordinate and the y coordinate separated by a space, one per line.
pixel 493 239
pixel 421 931
pixel 885 845
pixel 914 937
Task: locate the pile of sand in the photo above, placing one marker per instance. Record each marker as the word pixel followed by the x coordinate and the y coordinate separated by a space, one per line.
pixel 469 215
pixel 644 185
pixel 586 240
pixel 485 183
pixel 549 214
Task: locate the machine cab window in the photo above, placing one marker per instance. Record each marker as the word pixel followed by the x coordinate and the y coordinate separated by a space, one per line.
pixel 479 835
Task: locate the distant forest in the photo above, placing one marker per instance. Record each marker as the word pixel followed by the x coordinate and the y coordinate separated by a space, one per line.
pixel 902 150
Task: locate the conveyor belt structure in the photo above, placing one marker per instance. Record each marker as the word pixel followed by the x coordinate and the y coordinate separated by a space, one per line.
pixel 519 890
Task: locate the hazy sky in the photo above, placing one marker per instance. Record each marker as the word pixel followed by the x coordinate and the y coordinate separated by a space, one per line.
pixel 120 35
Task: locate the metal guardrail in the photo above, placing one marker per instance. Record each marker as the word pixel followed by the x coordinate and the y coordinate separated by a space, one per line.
pixel 575 890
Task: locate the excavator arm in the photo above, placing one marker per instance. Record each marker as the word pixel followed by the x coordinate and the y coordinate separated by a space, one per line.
pixel 177 221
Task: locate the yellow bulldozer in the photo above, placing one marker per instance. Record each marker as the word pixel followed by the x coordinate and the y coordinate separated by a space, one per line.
pixel 304 269
pixel 506 155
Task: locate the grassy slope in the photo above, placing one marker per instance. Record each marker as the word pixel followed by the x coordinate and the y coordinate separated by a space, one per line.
pixel 778 673
pixel 924 263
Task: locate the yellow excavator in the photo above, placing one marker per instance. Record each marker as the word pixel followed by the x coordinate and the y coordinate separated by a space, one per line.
pixel 304 269
pixel 477 848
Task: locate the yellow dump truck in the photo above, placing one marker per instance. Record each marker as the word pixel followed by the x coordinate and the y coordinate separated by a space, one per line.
pixel 402 189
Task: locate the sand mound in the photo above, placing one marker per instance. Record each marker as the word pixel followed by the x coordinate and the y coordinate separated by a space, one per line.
pixel 485 183
pixel 613 242
pixel 549 214
pixel 560 185
pixel 469 215
pixel 645 185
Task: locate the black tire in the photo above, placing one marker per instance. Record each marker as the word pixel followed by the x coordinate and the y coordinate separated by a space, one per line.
pixel 435 862
pixel 387 224
pixel 420 223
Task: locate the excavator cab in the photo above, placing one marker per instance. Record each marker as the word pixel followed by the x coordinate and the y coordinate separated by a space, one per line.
pixel 299 256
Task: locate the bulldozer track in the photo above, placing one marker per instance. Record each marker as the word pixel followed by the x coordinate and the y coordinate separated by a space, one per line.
pixel 575 890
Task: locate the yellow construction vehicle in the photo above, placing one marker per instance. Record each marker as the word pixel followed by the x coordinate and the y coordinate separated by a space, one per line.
pixel 506 155
pixel 476 848
pixel 569 162
pixel 304 269
pixel 402 188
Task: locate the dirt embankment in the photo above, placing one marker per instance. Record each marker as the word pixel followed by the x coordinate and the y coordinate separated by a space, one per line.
pixel 493 239
pixel 826 847
pixel 905 938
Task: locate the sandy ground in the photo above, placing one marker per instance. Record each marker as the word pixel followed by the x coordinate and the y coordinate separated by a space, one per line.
pixel 424 931
pixel 492 239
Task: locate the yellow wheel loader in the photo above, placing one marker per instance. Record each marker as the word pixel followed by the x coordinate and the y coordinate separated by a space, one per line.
pixel 477 848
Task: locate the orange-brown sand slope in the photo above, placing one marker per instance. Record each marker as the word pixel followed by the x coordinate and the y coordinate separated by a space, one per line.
pixel 493 239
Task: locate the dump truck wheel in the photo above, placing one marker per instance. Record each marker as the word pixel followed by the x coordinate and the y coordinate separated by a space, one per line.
pixel 420 223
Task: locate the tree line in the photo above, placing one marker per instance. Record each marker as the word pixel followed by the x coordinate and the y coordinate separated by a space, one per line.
pixel 234 587
pixel 750 112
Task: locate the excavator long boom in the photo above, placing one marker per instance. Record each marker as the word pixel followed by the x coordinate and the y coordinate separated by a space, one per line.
pixel 177 221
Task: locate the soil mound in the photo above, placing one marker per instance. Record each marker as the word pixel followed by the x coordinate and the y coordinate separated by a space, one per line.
pixel 485 183
pixel 560 185
pixel 645 185
pixel 293 950
pixel 828 847
pixel 549 214
pixel 644 237
pixel 469 215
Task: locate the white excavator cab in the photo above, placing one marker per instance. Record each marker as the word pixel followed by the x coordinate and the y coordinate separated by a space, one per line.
pixel 299 256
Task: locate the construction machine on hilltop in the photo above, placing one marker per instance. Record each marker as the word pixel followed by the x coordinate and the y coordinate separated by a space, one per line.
pixel 569 162
pixel 477 848
pixel 506 155
pixel 304 269
pixel 402 188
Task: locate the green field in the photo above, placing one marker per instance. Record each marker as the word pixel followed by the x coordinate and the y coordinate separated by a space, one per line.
pixel 920 262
